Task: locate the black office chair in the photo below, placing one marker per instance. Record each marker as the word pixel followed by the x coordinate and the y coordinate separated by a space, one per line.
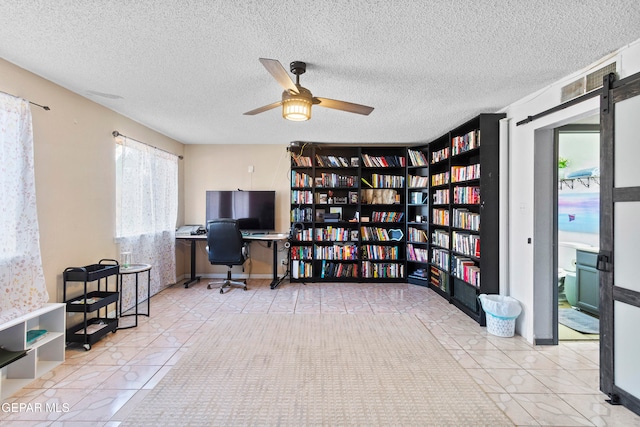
pixel 225 246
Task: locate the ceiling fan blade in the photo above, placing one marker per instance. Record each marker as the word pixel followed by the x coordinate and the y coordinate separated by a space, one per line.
pixel 275 68
pixel 263 109
pixel 343 106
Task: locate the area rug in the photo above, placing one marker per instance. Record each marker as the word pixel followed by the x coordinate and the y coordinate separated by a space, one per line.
pixel 578 321
pixel 316 370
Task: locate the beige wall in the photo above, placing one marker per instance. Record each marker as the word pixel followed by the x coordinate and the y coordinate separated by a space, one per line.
pixel 74 170
pixel 75 175
pixel 226 167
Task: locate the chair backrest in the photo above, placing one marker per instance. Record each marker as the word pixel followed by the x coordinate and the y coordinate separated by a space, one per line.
pixel 224 242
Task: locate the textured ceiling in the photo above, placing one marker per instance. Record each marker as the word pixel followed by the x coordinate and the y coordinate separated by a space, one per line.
pixel 190 68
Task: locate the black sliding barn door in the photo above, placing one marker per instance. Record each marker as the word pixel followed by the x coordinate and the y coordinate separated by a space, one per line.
pixel 619 255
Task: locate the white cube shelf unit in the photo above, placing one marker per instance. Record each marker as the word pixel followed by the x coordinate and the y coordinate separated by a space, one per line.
pixel 42 354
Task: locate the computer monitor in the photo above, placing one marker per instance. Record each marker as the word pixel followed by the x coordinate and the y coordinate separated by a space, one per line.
pixel 254 210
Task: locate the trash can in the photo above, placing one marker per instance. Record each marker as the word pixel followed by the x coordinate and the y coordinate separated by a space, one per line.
pixel 502 312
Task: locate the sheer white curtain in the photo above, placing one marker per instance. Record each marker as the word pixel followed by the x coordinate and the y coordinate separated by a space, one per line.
pixel 147 210
pixel 22 285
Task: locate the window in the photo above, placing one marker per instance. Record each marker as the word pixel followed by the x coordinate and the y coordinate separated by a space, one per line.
pixel 147 209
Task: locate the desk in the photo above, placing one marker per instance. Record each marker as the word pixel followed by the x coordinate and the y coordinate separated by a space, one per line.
pixel 136 269
pixel 272 239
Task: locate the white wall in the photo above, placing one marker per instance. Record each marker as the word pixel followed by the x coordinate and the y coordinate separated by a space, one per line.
pixel 523 178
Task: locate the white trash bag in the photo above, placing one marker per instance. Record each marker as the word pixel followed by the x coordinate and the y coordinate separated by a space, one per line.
pixel 502 312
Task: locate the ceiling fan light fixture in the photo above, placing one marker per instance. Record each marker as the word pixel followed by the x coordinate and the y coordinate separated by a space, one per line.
pixel 297 107
pixel 296 100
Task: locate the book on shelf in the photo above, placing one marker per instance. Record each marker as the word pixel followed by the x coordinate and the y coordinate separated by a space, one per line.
pixel 465 269
pixel 9 356
pixel 441 197
pixel 465 173
pixel 440 155
pixel 440 179
pixel 417 254
pixel 465 243
pixel 466 195
pixel 301 269
pixel 440 216
pixel 418 198
pixel 417 235
pixel 466 142
pixel 34 335
pixel 299 179
pixel 301 215
pixel 300 160
pixel 386 181
pixel 334 234
pixel 417 158
pixel 420 272
pixel 378 252
pixel 382 270
pixel 418 181
pixel 387 216
pixel 338 269
pixel 383 161
pixel 300 252
pixel 301 196
pixel 463 218
pixel 332 161
pixel 332 180
pixel 439 278
pixel 337 252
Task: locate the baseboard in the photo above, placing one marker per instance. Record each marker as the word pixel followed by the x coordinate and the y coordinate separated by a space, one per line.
pixel 224 276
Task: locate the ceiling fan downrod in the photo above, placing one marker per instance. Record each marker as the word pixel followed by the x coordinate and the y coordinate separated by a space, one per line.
pixel 297 68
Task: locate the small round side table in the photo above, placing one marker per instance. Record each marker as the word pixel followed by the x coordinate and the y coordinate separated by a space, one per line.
pixel 135 269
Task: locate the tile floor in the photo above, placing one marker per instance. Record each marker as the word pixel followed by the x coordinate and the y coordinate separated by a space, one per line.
pixel 534 385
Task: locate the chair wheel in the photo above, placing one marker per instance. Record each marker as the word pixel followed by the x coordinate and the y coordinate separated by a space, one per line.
pixel 221 291
pixel 208 286
pixel 245 288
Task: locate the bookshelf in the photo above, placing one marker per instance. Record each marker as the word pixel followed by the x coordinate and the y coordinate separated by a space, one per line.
pixel 348 213
pixel 395 213
pixel 37 340
pixel 418 215
pixel 463 192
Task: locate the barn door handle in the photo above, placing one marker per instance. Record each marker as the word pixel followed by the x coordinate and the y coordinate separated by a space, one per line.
pixel 603 261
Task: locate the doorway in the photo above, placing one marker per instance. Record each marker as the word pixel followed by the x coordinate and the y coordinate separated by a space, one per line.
pixel 576 229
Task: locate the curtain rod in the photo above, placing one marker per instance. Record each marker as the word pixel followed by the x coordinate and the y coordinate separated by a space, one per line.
pixel 116 134
pixel 44 107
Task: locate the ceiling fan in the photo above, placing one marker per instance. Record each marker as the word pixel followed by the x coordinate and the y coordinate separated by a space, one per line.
pixel 297 100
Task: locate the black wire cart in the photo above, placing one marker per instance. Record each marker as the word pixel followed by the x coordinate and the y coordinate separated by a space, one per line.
pixel 92 329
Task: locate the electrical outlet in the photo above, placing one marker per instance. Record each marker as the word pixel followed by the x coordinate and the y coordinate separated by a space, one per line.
pixel 283 262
